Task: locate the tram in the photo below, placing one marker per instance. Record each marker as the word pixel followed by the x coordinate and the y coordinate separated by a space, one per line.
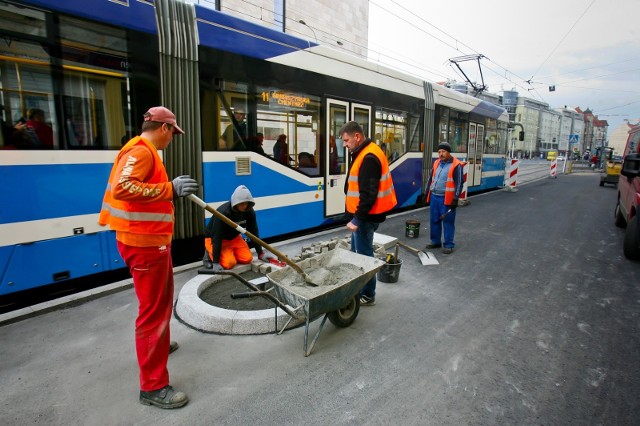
pixel 93 67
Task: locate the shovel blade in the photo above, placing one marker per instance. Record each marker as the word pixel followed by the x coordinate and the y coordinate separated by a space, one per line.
pixel 427 258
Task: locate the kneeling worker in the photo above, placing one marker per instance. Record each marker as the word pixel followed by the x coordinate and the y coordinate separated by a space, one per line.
pixel 224 245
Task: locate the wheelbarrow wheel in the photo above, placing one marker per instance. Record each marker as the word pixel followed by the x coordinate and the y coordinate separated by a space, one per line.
pixel 346 315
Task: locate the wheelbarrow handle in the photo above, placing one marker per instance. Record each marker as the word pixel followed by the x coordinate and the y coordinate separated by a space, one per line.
pixel 257 240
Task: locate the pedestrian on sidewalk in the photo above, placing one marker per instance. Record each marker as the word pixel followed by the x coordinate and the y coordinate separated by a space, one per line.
pixel 138 205
pixel 444 187
pixel 370 195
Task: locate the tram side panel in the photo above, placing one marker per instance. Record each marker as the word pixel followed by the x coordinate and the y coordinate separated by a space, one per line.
pixel 48 229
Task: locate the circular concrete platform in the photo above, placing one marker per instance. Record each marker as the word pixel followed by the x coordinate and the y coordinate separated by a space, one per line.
pixel 194 312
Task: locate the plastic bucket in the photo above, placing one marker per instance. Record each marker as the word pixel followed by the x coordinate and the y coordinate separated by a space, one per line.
pixel 412 229
pixel 389 272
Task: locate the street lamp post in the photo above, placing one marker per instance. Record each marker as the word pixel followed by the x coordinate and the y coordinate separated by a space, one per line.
pixel 301 21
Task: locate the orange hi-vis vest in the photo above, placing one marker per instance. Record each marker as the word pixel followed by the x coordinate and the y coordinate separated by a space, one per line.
pixel 450 186
pixel 149 217
pixel 386 194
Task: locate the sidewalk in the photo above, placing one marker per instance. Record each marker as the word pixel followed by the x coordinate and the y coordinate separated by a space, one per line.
pixel 72 361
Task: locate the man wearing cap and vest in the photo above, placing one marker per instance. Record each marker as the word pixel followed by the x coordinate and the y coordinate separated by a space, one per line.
pixel 370 195
pixel 444 188
pixel 138 205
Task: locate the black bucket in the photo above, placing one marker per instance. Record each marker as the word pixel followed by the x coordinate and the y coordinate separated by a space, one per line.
pixel 412 229
pixel 390 272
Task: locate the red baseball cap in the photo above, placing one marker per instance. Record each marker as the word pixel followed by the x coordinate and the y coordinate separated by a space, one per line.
pixel 161 114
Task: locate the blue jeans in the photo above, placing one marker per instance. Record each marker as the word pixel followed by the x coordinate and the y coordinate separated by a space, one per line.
pixel 437 209
pixel 362 243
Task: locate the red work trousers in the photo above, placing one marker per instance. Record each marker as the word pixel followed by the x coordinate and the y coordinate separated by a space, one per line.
pixel 152 272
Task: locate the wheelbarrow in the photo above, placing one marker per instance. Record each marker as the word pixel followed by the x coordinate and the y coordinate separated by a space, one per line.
pixel 339 274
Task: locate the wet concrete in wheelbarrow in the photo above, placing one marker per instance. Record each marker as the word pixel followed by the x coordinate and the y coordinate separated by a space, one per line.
pixel 219 293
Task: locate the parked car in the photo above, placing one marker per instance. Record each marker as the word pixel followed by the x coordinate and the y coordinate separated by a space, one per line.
pixel 628 205
pixel 560 157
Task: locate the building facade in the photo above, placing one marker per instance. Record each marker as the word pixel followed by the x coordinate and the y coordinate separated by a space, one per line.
pixel 319 21
pixel 550 121
pixel 618 136
pixel 571 136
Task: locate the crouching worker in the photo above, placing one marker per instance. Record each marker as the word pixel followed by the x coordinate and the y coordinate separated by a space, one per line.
pixel 224 245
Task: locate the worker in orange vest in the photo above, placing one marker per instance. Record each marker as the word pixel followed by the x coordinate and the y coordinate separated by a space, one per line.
pixel 138 205
pixel 444 188
pixel 370 195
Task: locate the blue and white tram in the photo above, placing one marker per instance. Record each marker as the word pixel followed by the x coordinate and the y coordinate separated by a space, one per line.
pixel 95 66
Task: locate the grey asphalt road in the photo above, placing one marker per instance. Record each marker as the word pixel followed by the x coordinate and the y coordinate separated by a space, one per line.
pixel 533 320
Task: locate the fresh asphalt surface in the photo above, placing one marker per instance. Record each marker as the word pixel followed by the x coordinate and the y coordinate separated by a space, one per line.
pixel 532 320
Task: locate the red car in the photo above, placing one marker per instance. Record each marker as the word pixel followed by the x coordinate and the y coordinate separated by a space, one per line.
pixel 628 206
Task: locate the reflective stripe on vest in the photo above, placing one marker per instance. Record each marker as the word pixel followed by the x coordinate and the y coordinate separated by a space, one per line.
pixel 138 218
pixel 450 186
pixel 386 198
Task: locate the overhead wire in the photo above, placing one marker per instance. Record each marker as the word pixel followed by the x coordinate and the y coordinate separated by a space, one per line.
pixel 563 38
pixel 455 44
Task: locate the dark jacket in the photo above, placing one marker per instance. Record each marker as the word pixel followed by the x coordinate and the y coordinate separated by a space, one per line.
pixel 368 182
pixel 217 230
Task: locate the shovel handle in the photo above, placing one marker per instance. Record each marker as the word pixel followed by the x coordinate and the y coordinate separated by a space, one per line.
pixel 240 229
pixel 444 215
pixel 412 249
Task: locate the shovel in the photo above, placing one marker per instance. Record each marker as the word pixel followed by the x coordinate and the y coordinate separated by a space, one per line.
pixel 255 239
pixel 425 258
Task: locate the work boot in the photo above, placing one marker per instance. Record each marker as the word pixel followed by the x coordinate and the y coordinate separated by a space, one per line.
pixel 447 250
pixel 173 346
pixel 206 260
pixel 166 397
pixel 432 246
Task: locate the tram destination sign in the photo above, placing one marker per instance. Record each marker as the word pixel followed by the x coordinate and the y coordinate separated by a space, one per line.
pixel 285 101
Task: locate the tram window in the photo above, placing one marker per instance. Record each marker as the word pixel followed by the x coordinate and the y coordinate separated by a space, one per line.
pixel 95 61
pixel 443 124
pixel 391 132
pixel 494 143
pixel 28 87
pixel 22 20
pixel 458 135
pixel 269 113
pixel 93 81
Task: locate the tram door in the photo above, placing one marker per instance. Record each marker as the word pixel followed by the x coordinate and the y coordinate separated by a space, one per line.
pixel 474 157
pixel 337 155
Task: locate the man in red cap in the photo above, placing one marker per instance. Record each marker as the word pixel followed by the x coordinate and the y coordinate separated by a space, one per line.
pixel 138 205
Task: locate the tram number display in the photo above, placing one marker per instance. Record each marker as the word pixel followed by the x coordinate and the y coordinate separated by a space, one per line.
pixel 279 100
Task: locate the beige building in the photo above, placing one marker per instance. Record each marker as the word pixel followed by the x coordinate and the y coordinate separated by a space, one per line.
pixel 528 113
pixel 618 136
pixel 571 130
pixel 550 121
pixel 343 25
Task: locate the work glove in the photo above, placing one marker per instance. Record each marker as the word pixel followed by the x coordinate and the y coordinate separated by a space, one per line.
pixel 453 205
pixel 216 267
pixel 265 257
pixel 184 185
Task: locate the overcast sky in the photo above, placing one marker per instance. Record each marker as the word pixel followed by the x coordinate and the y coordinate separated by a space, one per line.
pixel 588 49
